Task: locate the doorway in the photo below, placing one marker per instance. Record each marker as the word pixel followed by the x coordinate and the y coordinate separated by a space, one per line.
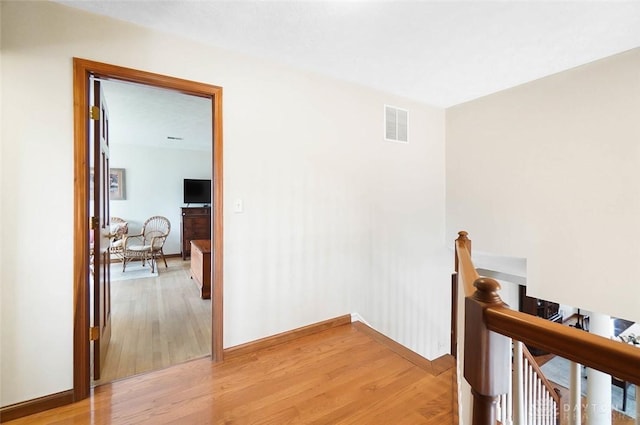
pixel 83 70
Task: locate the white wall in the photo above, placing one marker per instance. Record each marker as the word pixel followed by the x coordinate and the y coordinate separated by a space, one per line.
pixel 550 171
pixel 2 205
pixel 407 255
pixel 335 219
pixel 154 184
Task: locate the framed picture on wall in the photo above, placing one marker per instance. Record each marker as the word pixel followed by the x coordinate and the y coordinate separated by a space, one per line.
pixel 116 184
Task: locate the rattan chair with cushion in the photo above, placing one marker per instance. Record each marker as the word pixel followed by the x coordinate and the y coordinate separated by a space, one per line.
pixel 118 229
pixel 147 245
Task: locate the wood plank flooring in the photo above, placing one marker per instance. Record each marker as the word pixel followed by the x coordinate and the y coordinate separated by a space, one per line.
pixel 156 322
pixel 339 376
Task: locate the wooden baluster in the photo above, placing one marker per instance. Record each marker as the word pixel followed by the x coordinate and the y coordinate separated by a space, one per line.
pixel 487 357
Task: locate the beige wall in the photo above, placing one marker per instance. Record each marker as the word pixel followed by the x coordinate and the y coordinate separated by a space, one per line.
pixel 335 219
pixel 550 171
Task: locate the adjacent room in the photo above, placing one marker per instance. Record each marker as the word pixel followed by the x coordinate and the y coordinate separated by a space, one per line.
pixel 160 195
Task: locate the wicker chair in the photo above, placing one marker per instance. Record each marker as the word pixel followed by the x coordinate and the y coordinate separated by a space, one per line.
pixel 118 231
pixel 147 245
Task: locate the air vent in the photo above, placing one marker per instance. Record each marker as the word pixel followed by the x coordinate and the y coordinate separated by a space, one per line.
pixel 395 124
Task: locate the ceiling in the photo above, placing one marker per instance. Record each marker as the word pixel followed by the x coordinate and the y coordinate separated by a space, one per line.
pixel 150 116
pixel 437 52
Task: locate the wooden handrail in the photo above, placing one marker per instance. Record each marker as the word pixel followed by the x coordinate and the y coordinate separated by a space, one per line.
pixel 550 389
pixel 613 357
pixel 464 266
pixel 488 319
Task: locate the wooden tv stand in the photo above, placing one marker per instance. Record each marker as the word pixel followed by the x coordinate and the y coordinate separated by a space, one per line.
pixel 201 266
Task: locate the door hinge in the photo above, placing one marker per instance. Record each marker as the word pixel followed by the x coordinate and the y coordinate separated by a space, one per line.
pixel 94 113
pixel 94 333
pixel 93 223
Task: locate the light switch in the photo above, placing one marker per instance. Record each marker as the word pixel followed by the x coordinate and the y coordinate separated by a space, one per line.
pixel 237 206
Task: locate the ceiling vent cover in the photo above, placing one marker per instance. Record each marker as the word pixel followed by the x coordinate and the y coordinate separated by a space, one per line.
pixel 395 124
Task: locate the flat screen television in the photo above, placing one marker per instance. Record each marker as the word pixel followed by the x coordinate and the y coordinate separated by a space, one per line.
pixel 197 191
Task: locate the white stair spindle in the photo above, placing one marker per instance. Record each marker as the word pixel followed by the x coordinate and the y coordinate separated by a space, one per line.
pixel 575 408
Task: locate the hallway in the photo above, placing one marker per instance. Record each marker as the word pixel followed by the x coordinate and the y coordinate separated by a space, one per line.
pixel 343 375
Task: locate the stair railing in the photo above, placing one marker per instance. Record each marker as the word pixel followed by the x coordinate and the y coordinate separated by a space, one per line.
pixel 531 399
pixel 489 326
pixel 541 401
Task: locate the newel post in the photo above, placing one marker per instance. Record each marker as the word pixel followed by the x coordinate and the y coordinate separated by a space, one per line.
pixel 487 355
pixel 463 237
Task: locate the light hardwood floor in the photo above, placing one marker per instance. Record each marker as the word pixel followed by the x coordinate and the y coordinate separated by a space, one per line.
pixel 339 376
pixel 156 322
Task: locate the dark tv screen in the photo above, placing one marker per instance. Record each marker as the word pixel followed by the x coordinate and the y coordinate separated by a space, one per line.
pixel 197 191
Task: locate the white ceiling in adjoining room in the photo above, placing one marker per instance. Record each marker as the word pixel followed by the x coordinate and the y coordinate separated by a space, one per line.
pixel 151 116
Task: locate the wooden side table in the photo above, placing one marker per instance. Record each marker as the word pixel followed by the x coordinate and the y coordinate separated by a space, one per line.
pixel 201 266
pixel 195 224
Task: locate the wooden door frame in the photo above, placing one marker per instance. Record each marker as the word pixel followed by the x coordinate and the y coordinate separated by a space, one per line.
pixel 82 69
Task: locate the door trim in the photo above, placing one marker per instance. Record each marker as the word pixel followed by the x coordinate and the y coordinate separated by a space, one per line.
pixel 82 69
